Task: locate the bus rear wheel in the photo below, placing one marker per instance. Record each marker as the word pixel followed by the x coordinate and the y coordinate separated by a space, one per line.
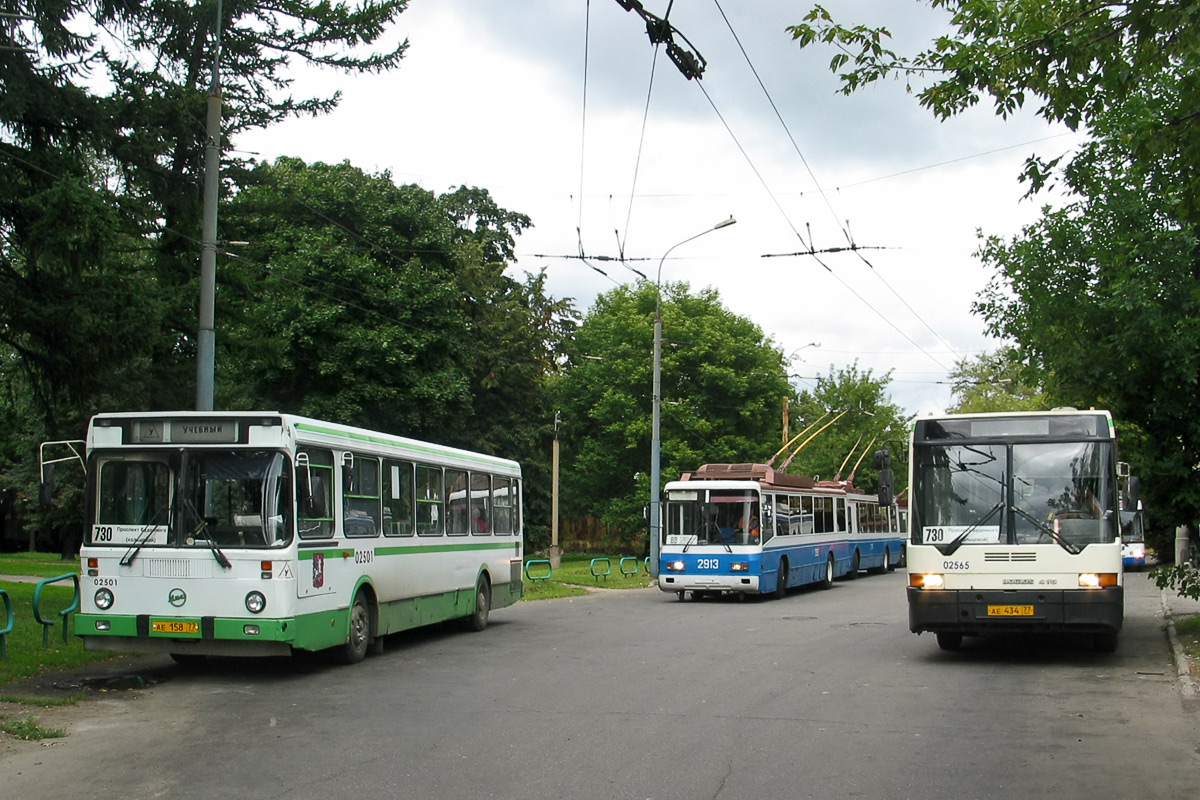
pixel 483 605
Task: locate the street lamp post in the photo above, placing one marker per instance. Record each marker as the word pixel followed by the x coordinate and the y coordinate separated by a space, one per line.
pixel 656 403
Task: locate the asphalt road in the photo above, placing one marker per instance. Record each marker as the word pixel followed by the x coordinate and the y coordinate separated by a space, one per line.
pixel 634 694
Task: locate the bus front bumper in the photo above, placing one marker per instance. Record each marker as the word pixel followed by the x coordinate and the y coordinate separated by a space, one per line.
pixel 682 582
pixel 984 611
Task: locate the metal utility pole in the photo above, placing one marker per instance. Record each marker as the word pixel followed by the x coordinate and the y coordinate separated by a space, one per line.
pixel 206 342
pixel 656 403
pixel 555 550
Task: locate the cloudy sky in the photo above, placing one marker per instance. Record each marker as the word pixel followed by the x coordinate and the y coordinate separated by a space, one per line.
pixel 562 110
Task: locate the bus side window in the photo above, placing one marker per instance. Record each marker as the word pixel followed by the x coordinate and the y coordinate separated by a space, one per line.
pixel 360 496
pixel 503 500
pixel 430 490
pixel 397 498
pixel 481 503
pixel 314 486
pixel 457 489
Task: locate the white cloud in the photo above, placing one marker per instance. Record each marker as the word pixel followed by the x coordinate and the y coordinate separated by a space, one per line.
pixel 492 95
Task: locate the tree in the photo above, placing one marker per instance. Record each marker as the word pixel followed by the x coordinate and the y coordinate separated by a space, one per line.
pixel 994 382
pixel 723 384
pixel 388 307
pixel 1100 295
pixel 102 105
pixel 846 418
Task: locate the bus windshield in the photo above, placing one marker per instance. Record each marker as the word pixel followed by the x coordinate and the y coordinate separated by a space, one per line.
pixel 1062 494
pixel 230 498
pixel 720 517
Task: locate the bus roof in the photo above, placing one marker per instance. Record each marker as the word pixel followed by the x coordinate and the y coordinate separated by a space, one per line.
pixel 767 476
pixel 306 429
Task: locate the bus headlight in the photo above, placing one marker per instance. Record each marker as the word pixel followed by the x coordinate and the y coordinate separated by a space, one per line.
pixel 255 602
pixel 1097 580
pixel 740 566
pixel 104 599
pixel 675 566
pixel 931 580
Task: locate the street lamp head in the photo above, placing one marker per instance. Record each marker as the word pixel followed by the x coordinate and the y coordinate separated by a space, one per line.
pixel 725 223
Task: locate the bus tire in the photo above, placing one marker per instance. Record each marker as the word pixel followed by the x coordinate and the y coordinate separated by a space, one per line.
pixel 949 640
pixel 855 566
pixel 355 648
pixel 888 566
pixel 827 579
pixel 1105 642
pixel 483 605
pixel 781 580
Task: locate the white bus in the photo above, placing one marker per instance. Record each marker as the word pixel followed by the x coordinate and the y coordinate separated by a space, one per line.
pixel 749 529
pixel 1015 526
pixel 260 533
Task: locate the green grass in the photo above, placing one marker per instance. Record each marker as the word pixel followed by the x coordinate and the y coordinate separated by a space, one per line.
pixel 1188 629
pixel 29 729
pixel 40 565
pixel 27 658
pixel 575 577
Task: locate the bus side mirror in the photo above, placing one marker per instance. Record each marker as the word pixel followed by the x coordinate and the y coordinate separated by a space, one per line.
pixel 883 460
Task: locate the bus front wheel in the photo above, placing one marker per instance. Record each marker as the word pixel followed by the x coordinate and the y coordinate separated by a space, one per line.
pixel 781 580
pixel 355 648
pixel 827 580
pixel 949 641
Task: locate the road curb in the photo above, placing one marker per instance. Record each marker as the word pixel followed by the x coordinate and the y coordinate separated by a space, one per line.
pixel 1187 687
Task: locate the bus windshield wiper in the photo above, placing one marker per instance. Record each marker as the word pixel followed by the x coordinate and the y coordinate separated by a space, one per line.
pixel 143 537
pixel 1071 548
pixel 202 531
pixel 962 537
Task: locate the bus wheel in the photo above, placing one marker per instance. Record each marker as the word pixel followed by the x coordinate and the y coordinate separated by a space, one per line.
pixel 1105 642
pixel 888 566
pixel 483 604
pixel 355 648
pixel 781 580
pixel 827 581
pixel 882 568
pixel 949 641
pixel 855 566
pixel 681 596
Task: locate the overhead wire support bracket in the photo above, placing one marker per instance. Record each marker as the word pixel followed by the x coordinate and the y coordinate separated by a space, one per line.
pixel 688 60
pixel 822 251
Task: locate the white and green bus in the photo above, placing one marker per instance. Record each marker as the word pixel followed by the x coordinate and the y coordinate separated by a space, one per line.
pixel 1015 526
pixel 260 533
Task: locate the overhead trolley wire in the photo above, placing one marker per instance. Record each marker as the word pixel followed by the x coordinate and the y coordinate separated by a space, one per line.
pixel 853 247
